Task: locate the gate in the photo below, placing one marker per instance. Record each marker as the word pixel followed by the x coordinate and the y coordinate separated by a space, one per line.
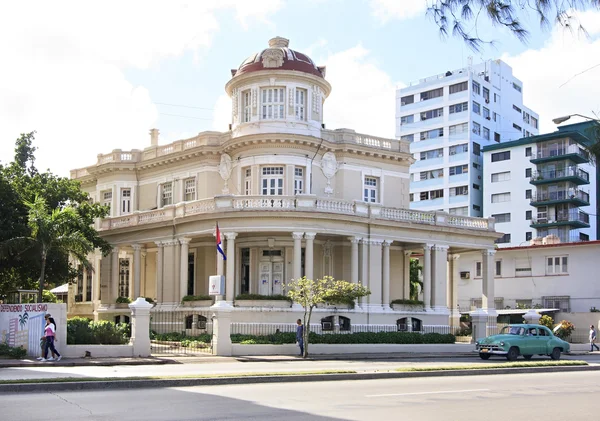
pixel 180 331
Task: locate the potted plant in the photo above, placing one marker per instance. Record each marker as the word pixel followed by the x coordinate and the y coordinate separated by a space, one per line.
pixel 258 300
pixel 122 302
pixel 407 305
pixel 197 301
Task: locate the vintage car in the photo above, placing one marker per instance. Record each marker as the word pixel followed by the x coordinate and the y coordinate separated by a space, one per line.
pixel 524 339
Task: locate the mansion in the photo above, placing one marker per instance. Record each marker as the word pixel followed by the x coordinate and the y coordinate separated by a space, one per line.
pixel 290 198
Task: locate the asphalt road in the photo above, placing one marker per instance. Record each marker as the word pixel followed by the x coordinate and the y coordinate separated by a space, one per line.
pixel 548 397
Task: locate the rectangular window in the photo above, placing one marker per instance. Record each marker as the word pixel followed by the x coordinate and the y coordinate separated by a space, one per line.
pixel 501 197
pixel 516 126
pixel 125 201
pixel 477 128
pixel 476 149
pixel 406 100
pixel 527 172
pixel 528 234
pixel 436 194
pixel 459 129
pixel 273 103
pixel 486 113
pixel 528 194
pixel 248 182
pixel 495 116
pixel 502 217
pixel 408 137
pixel 517 109
pixel 561 303
pixel 429 175
pixel 459 87
pixel 107 200
pixel 272 181
pixel 426 115
pixel 504 239
pixel 459 191
pixel 458 108
pixel 476 108
pixel 298 180
pixel 534 122
pixel 456 149
pixel 556 265
pixel 476 88
pixel 486 94
pixel 486 133
pixel 411 197
pixel 432 134
pixel 460 169
pixel 497 137
pixel 189 189
pixel 434 93
pixel 478 269
pixel 476 186
pixel 432 154
pixel 517 87
pixel 476 208
pixel 526 117
pixel 501 156
pixel 247 106
pixel 528 215
pixel 528 151
pixel 499 267
pixel 300 104
pixel 407 119
pixel 370 190
pixel 166 194
pixel 496 98
pixel 462 211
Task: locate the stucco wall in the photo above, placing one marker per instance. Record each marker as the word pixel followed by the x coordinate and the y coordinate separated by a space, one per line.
pixel 147 197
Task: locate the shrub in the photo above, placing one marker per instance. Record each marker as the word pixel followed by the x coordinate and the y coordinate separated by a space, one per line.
pixel 352 338
pixel 81 331
pixel 565 329
pixel 148 299
pixel 123 300
pixel 408 302
pixel 263 297
pixel 196 298
pixel 465 331
pixel 12 352
pixel 78 331
pixel 547 321
pixel 48 297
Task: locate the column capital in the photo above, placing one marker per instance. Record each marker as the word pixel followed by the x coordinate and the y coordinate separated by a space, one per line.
pixel 454 256
pixel 144 254
pixel 115 250
pixel 136 247
pixel 185 240
pixel 354 240
pixel 310 235
pixel 387 243
pixel 159 244
pixel 170 243
pixel 297 235
pixel 488 252
pixel 230 236
pixel 373 241
pixel 428 246
pixel 441 247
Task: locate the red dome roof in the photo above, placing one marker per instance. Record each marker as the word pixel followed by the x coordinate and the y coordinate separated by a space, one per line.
pixel 279 57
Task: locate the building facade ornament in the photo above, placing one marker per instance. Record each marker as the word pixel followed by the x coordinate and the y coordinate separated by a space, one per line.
pixel 329 167
pixel 272 58
pixel 225 168
pixel 327 246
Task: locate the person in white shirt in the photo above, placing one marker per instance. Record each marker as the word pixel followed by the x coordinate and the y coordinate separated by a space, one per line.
pixel 593 339
pixel 49 334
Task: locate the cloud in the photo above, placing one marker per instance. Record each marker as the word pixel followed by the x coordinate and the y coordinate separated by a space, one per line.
pixel 386 10
pixel 362 96
pixel 564 55
pixel 63 70
pixel 222 114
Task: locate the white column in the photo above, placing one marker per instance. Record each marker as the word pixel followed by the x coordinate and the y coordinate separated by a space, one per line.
pixel 114 278
pixel 137 269
pixel 487 299
pixel 308 256
pixel 364 267
pixel 159 272
pixel 455 276
pixel 183 270
pixel 354 259
pixel 97 277
pixel 143 283
pixel 427 276
pixel 297 236
pixel 230 273
pixel 386 274
pixel 440 278
pixel 406 279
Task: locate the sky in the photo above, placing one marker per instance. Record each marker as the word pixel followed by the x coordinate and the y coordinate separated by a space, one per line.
pixel 90 77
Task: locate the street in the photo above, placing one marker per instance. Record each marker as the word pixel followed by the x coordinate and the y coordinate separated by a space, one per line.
pixel 551 396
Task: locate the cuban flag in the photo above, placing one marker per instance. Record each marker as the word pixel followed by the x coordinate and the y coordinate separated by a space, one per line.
pixel 219 249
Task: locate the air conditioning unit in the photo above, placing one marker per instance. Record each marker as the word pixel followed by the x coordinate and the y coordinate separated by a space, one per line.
pixel 488 118
pixel 465 275
pixel 327 325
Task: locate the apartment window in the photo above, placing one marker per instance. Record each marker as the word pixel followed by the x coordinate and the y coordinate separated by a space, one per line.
pixel 497 137
pixel 407 119
pixel 434 93
pixel 406 100
pixel 432 134
pixel 478 269
pixel 459 191
pixel 459 87
pixel 300 104
pixel 501 197
pixel 370 189
pixel 582 237
pixel 517 109
pixel 528 215
pixel 502 217
pixel 486 94
pixel 462 211
pixel 516 126
pixel 189 189
pixel 526 117
pixel 528 235
pixel 458 108
pixel 528 151
pixel 123 278
pixel 436 194
pixel 476 208
pixel 166 194
pixel 534 122
pixel 428 175
pixel 107 200
pixel 476 165
pixel 496 98
pixel 523 266
pixel 477 128
pixel 434 153
pixel 562 303
pixel 501 156
pixel 495 116
pixel 408 137
pixel 499 265
pixel 476 186
pixel 426 115
pixel 125 201
pixel 248 182
pixel 411 197
pixel 517 87
pixel 528 194
pixel 273 103
pixel 272 181
pixel 486 113
pixel 556 265
pixel 476 108
pixel 247 106
pixel 456 149
pixel 459 129
pixel 459 169
pixel 298 180
pixel 486 133
pixel 476 88
pixel 504 239
pixel 476 149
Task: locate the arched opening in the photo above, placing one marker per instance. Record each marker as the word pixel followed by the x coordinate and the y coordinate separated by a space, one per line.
pixel 201 324
pixel 345 324
pixel 189 321
pixel 417 324
pixel 327 324
pixel 402 324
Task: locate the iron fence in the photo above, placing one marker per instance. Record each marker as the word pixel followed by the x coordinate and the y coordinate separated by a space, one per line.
pixel 181 331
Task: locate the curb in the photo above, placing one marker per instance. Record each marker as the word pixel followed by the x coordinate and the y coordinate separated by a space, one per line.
pixel 220 381
pixel 89 363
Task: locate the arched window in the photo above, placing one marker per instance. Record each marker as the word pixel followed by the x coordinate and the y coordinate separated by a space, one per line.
pixel 417 325
pixel 327 324
pixel 189 321
pixel 122 319
pixel 402 324
pixel 201 324
pixel 345 324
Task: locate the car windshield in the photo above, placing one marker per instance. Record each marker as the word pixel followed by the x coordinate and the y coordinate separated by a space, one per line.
pixel 512 330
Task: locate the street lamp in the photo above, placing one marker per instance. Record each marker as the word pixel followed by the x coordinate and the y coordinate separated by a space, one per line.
pixel 559 120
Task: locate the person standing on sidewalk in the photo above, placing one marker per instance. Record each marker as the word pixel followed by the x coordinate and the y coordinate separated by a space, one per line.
pixel 43 341
pixel 300 336
pixel 49 334
pixel 593 339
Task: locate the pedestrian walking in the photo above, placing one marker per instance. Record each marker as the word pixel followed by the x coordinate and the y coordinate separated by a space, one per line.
pixel 50 334
pixel 43 342
pixel 300 336
pixel 593 339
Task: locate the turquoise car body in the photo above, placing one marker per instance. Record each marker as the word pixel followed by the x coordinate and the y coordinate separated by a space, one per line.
pixel 522 339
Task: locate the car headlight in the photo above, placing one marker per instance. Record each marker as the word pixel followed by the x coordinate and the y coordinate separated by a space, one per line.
pixel 501 343
pixel 476 343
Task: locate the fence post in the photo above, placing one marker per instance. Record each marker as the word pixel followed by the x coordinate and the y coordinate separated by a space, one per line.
pixel 532 317
pixel 140 327
pixel 221 343
pixel 479 319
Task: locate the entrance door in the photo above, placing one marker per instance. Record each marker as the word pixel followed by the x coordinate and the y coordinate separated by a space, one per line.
pixel 271 273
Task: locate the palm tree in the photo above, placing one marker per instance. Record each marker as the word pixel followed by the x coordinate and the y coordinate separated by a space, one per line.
pixel 416 285
pixel 52 231
pixel 23 319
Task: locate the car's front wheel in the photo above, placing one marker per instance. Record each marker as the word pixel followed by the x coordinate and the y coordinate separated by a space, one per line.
pixel 484 356
pixel 555 354
pixel 527 357
pixel 513 353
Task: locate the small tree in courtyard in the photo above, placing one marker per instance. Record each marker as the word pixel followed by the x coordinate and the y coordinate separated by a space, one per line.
pixel 308 293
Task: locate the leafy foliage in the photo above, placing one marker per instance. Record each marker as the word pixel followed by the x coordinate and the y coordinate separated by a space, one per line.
pixel 48 297
pixel 351 338
pixel 408 302
pixel 263 297
pixel 196 298
pixel 82 331
pixel 12 352
pixel 547 321
pixel 416 285
pixel 123 300
pixel 565 330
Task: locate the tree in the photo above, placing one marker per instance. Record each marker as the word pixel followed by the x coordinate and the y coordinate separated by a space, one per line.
pixel 308 293
pixel 547 321
pixel 460 18
pixel 416 285
pixel 57 231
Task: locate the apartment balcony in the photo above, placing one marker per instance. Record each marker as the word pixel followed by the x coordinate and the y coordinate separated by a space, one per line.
pixel 574 218
pixel 573 174
pixel 572 152
pixel 573 197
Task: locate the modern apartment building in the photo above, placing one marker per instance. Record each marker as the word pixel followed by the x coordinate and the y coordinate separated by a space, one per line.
pixel 447 119
pixel 542 189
